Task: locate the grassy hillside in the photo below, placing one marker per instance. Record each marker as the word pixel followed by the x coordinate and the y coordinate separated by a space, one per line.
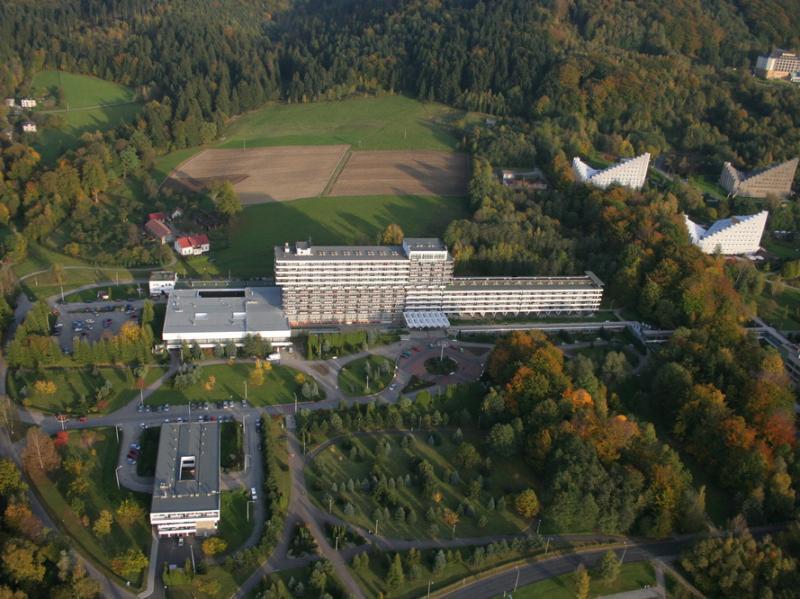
pixel 373 123
pixel 325 220
pixel 89 104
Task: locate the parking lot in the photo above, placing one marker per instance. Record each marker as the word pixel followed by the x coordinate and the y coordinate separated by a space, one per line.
pixel 94 320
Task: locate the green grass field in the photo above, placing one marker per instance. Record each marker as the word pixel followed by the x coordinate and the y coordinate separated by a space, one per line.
pixel 230 442
pixel 74 383
pixel 371 123
pixel 146 464
pixel 234 527
pixel 117 292
pixel 781 310
pixel 279 386
pixel 632 577
pixel 335 465
pixel 353 375
pixel 90 104
pixel 325 220
pixel 96 450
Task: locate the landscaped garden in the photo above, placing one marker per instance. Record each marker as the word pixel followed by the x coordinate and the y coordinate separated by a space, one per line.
pixel 631 577
pixel 365 376
pixel 443 366
pixel 79 489
pixel 423 485
pixel 276 384
pixel 78 390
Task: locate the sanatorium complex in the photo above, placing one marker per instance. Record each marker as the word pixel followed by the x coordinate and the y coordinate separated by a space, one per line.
pixel 412 283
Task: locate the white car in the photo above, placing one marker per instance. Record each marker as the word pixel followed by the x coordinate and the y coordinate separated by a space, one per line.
pixel 253 494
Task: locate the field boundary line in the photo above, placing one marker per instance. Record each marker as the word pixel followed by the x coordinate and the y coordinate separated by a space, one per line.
pixel 336 173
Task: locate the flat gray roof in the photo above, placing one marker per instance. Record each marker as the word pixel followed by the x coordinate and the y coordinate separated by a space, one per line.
pixel 194 488
pixel 162 275
pixel 341 252
pixel 245 310
pixel 424 244
pixel 589 281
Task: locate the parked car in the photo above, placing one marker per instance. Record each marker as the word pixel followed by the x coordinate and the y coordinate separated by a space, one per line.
pixel 253 494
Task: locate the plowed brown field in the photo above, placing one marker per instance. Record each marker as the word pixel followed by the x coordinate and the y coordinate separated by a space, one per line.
pixel 403 173
pixel 262 174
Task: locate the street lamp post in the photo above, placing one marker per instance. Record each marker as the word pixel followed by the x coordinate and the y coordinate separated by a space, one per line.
pixel 624 550
pixel 116 475
pixel 429 588
pixel 547 546
pixel 516 582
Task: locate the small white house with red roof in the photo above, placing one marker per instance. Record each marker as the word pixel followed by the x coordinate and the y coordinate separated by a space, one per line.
pixel 192 245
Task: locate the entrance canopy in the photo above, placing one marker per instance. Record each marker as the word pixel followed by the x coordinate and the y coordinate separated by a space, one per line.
pixel 426 320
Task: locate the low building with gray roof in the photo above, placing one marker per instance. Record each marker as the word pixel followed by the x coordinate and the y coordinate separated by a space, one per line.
pixel 186 496
pixel 218 316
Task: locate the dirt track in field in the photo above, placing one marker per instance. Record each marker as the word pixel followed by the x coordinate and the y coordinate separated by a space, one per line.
pixel 403 172
pixel 262 174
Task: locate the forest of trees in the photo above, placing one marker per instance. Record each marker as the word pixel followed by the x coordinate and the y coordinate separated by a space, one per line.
pixel 623 79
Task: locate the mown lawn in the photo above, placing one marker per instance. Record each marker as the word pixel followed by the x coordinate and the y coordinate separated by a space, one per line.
pixel 96 450
pixel 335 464
pixel 248 251
pixel 632 577
pixel 116 292
pixel 76 388
pixel 370 123
pixel 234 527
pixel 279 386
pixel 90 104
pixel 353 375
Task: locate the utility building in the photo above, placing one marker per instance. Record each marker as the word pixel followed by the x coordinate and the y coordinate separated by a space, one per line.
pixel 186 497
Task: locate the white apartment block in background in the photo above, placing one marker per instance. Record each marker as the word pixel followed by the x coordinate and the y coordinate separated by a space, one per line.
pixel 162 281
pixel 28 103
pixel 730 236
pixel 780 64
pixel 629 172
pixel 382 284
pixel 186 498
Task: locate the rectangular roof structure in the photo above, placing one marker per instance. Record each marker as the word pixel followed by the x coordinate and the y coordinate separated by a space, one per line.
pixel 238 311
pixel 426 320
pixel 187 468
pixel 588 281
pixel 163 275
pixel 424 244
pixel 303 251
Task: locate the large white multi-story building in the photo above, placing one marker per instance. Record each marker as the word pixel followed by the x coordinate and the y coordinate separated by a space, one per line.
pixel 779 64
pixel 629 172
pixel 186 498
pixel 379 284
pixel 730 236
